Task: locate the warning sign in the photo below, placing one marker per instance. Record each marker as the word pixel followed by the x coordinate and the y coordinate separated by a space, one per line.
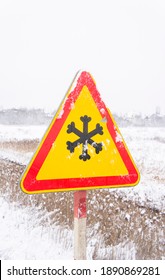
pixel 83 148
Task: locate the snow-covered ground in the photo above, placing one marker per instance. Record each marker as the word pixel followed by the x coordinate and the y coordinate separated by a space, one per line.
pixel 18 132
pixel 21 234
pixel 23 237
pixel 147 146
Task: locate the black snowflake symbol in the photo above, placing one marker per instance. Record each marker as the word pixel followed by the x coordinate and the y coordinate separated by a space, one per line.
pixel 85 138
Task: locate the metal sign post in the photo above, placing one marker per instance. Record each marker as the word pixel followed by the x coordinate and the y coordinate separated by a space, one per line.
pixel 80 216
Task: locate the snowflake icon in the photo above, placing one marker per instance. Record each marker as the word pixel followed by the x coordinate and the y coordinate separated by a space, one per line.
pixel 85 138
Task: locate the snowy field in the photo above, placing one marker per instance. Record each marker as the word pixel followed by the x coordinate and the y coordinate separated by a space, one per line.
pixel 23 237
pixel 21 234
pixel 147 146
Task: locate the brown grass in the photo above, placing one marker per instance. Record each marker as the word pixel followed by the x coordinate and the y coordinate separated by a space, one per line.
pixel 110 216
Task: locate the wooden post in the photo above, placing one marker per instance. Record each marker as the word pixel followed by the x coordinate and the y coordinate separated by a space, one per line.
pixel 80 225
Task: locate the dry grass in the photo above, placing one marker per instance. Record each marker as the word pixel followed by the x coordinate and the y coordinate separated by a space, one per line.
pixel 111 218
pixel 21 146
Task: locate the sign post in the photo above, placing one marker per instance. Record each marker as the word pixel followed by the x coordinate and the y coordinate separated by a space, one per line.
pixel 80 216
pixel 82 149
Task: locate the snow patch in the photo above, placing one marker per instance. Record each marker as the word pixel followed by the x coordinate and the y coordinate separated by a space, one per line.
pixel 18 157
pixel 60 114
pixel 102 110
pixel 23 237
pixel 127 217
pixel 72 106
pixel 21 132
pixel 118 137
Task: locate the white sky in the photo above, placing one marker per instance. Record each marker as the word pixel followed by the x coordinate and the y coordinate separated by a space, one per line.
pixel 44 43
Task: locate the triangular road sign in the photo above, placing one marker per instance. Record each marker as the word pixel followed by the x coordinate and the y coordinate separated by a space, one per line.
pixel 83 148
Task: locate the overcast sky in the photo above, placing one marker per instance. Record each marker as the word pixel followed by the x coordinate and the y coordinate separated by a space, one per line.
pixel 44 43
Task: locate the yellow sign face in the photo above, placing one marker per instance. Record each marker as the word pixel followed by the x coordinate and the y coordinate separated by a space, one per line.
pixel 60 162
pixel 83 148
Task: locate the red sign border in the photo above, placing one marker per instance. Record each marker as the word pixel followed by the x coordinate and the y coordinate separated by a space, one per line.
pixel 29 183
